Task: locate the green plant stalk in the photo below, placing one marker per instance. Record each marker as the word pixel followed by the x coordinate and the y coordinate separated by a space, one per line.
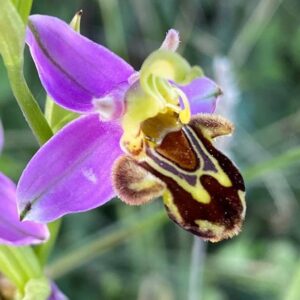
pixel 81 255
pixel 23 7
pixel 28 105
pixel 11 49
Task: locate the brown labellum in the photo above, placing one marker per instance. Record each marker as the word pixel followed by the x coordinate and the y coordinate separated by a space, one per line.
pixel 203 191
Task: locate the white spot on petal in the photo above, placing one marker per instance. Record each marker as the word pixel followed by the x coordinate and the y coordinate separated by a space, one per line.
pixel 90 175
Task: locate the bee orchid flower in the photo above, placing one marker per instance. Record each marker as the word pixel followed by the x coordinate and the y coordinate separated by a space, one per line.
pixel 141 135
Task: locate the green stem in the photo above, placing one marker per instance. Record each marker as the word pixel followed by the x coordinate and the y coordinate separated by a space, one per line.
pixel 23 7
pixel 81 255
pixel 28 105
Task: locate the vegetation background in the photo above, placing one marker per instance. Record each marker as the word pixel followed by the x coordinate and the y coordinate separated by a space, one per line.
pixel 252 48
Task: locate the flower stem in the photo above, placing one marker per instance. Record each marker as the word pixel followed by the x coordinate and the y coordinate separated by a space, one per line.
pixel 23 7
pixel 28 104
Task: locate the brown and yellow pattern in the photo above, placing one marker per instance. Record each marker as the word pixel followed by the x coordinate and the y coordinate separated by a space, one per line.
pixel 203 191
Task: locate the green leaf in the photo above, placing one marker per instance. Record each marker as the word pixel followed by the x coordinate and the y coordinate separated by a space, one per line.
pixel 11 34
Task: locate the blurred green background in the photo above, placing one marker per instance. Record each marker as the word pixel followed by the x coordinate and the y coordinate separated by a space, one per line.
pixel 252 48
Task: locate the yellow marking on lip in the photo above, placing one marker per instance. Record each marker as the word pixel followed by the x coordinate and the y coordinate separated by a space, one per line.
pixel 146 183
pixel 220 175
pixel 198 192
pixel 218 232
pixel 207 226
pixel 241 195
pixel 173 209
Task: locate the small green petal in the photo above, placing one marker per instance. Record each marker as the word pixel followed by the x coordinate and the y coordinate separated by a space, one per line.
pixel 75 23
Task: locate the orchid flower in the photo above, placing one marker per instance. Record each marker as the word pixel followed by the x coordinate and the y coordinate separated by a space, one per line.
pixel 142 135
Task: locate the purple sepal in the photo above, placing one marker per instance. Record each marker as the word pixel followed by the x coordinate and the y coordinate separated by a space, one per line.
pixel 203 95
pixel 73 69
pixel 12 230
pixel 56 293
pixel 71 172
